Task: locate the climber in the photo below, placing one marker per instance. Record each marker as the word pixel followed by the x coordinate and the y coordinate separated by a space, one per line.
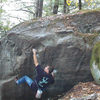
pixel 44 78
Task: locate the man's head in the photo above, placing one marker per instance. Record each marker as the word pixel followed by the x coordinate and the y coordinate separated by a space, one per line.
pixel 48 69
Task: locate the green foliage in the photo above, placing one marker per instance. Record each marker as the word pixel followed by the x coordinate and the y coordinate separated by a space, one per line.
pixel 1 11
pixel 4 28
pixel 4 0
pixel 47 8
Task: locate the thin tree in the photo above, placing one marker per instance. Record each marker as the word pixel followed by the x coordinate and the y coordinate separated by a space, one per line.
pixel 80 4
pixel 65 4
pixel 39 8
pixel 55 8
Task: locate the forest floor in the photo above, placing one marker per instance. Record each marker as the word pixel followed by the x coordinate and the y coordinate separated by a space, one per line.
pixel 83 91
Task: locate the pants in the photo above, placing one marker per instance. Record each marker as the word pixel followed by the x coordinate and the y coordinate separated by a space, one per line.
pixel 26 79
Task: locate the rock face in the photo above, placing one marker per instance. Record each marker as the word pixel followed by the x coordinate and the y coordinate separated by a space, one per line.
pixel 57 45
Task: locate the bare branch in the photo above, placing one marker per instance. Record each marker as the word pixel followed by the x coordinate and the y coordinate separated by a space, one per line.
pixel 17 18
pixel 29 6
pixel 26 11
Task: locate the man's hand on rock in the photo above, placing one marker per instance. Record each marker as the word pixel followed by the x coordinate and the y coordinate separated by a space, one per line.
pixel 34 51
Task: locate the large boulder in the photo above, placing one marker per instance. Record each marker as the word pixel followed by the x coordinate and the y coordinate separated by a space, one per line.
pixel 57 45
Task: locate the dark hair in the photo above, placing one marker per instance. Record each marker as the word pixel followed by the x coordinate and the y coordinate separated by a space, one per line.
pixel 51 68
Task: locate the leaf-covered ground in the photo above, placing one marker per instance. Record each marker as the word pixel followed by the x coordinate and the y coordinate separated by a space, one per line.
pixel 83 91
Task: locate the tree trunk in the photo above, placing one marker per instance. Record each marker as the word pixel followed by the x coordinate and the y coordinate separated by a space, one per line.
pixel 80 5
pixel 55 8
pixel 65 6
pixel 39 8
pixel 68 10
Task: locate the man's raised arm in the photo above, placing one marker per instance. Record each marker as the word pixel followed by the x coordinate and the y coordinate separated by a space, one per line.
pixel 34 57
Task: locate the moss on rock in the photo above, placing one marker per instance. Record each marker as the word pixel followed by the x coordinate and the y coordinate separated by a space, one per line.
pixel 95 63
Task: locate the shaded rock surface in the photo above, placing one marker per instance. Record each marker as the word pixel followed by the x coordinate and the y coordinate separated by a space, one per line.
pixel 69 53
pixel 83 91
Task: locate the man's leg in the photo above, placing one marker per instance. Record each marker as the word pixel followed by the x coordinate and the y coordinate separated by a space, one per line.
pixel 26 79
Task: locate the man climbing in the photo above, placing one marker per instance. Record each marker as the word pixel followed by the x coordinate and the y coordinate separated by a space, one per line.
pixel 44 78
